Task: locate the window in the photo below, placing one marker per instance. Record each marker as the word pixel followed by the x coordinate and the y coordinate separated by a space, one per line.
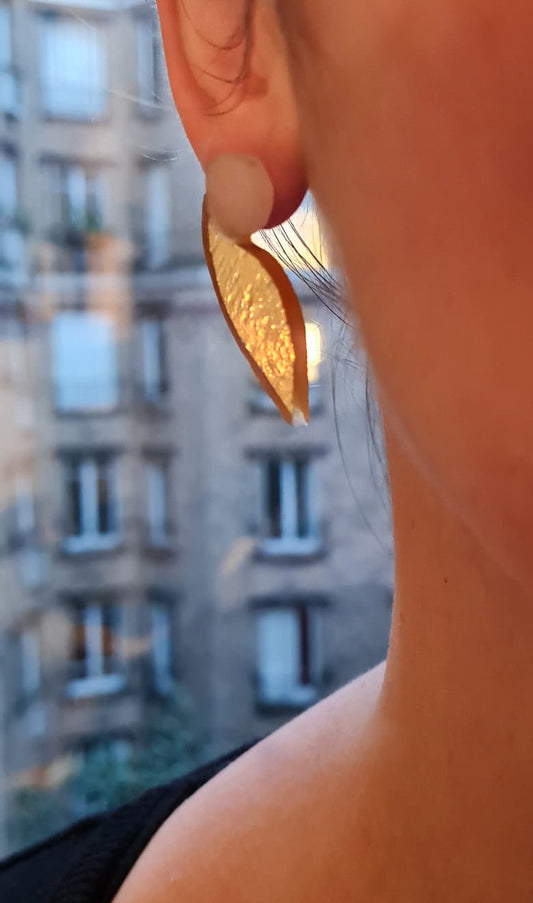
pixel 148 60
pixel 288 518
pixel 30 680
pixel 30 663
pixel 288 655
pixel 8 82
pixel 12 240
pixel 17 353
pixel 153 359
pixel 92 505
pixel 73 68
pixel 77 196
pixel 161 645
pixel 8 186
pixel 94 654
pixel 84 362
pixel 157 196
pixel 18 370
pixel 157 494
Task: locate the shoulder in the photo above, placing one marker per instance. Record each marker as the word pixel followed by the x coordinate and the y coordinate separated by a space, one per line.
pixel 249 822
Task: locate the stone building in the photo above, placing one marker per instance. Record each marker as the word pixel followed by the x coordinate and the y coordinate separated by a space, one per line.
pixel 158 522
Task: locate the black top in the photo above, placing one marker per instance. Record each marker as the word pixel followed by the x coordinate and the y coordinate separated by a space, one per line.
pixel 87 862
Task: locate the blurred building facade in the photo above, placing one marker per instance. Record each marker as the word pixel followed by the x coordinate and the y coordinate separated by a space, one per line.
pixel 159 524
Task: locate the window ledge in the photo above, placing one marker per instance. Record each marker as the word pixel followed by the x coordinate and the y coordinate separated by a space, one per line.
pixel 81 545
pixel 107 411
pixel 76 119
pixel 297 700
pixel 293 550
pixel 101 685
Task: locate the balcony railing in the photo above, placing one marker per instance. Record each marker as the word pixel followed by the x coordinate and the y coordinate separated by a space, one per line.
pixel 83 252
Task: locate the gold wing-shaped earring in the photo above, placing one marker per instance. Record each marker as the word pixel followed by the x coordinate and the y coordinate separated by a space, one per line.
pixel 264 316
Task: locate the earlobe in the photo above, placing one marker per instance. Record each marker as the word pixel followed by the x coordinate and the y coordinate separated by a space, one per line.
pixel 230 83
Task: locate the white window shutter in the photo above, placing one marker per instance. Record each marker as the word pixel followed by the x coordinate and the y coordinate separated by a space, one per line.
pixel 157 501
pixel 278 653
pixel 161 646
pixel 152 365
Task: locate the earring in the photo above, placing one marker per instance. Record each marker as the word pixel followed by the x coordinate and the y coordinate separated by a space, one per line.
pixel 254 293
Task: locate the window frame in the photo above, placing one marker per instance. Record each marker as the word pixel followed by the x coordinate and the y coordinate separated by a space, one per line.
pixel 58 378
pixel 31 679
pixel 52 109
pixel 162 666
pixel 307 628
pixel 24 509
pixel 153 359
pixel 87 466
pixel 157 243
pixel 9 84
pixel 98 681
pixel 90 194
pixel 148 63
pixel 289 542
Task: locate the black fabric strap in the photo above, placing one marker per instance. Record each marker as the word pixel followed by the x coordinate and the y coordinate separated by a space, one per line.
pixel 101 866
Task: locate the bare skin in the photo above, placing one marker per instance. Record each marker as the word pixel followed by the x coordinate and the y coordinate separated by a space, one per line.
pixel 408 785
pixel 413 123
pixel 247 833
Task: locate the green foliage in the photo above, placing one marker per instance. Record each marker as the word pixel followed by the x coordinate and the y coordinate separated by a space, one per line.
pixel 74 232
pixel 169 747
pixel 173 743
pixel 108 774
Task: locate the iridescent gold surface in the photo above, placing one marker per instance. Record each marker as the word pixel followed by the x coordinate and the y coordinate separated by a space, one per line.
pixel 255 308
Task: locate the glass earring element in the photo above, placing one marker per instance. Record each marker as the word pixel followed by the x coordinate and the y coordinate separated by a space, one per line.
pixel 264 316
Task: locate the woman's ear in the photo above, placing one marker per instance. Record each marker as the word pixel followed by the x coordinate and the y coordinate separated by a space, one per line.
pixel 229 78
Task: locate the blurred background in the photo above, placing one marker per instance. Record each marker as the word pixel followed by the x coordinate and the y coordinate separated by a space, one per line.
pixel 180 571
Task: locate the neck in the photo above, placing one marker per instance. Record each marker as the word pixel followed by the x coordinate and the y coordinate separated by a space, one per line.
pixel 459 680
pixel 462 632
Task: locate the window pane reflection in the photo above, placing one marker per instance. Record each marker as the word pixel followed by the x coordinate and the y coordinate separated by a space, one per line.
pixel 180 570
